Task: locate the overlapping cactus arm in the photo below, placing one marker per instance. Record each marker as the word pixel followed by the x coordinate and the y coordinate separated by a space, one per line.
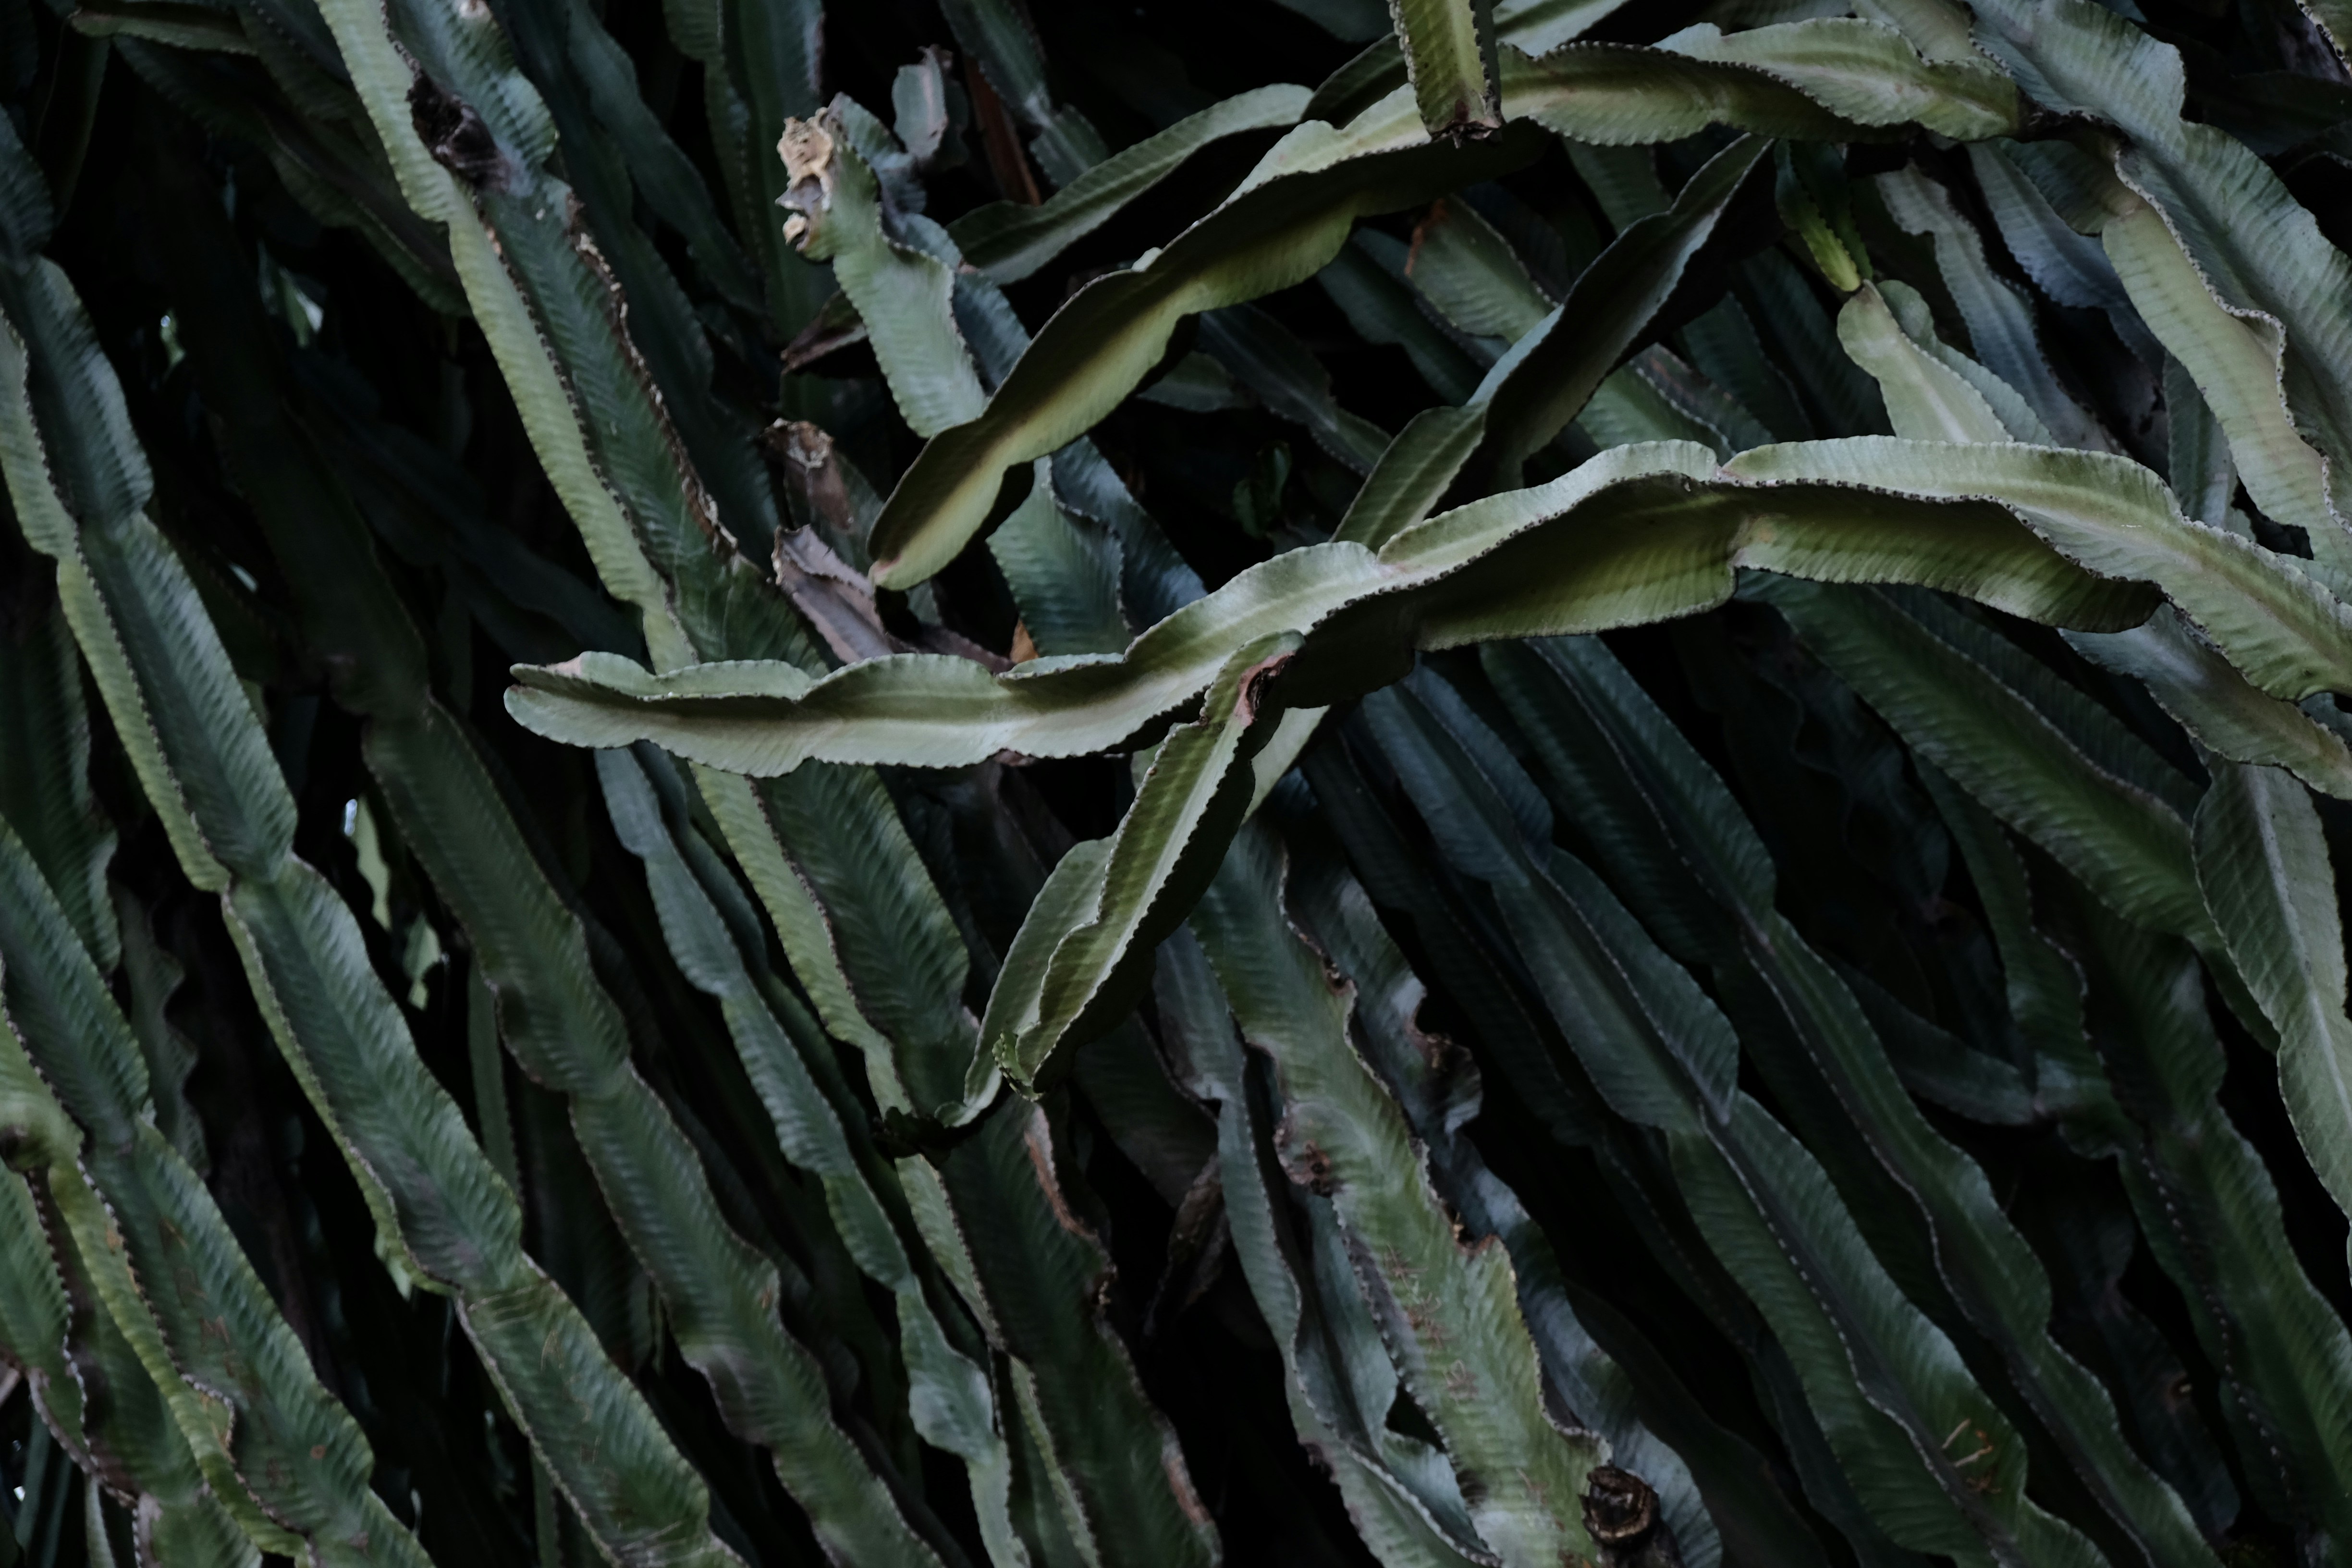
pixel 564 1028
pixel 1478 959
pixel 1428 782
pixel 1614 753
pixel 1292 213
pixel 1340 1382
pixel 1449 1315
pixel 130 1225
pixel 78 481
pixel 98 1400
pixel 871 917
pixel 933 711
pixel 58 1334
pixel 1640 533
pixel 704 918
pixel 1625 1009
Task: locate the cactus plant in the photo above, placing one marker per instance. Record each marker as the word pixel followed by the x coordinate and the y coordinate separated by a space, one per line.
pixel 1495 782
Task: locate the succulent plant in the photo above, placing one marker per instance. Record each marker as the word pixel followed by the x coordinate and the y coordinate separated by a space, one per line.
pixel 1501 782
